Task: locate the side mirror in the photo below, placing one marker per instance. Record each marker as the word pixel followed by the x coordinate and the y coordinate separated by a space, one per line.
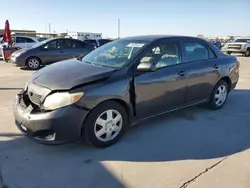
pixel 146 67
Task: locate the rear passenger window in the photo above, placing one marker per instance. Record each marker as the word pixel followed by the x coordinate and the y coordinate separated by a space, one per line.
pixel 195 52
pixel 69 44
pixel 29 40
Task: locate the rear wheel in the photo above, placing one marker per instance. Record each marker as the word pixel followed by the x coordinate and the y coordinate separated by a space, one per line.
pixel 219 95
pixel 105 124
pixel 33 63
pixel 247 54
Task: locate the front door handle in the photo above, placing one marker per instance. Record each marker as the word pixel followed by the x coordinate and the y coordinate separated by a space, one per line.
pixel 182 73
pixel 216 66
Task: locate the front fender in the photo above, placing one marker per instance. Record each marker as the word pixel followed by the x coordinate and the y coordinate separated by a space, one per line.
pixel 95 94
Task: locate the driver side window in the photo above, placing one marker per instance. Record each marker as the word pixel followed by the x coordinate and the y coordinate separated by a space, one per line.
pixel 162 55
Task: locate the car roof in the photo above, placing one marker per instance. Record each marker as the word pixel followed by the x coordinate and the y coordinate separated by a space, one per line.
pixel 24 36
pixel 157 37
pixel 34 38
pixel 62 38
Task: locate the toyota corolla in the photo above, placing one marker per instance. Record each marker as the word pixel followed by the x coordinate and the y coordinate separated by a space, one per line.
pixel 121 83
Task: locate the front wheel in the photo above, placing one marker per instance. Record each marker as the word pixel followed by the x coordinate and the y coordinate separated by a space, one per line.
pixel 33 63
pixel 219 95
pixel 247 54
pixel 229 53
pixel 105 124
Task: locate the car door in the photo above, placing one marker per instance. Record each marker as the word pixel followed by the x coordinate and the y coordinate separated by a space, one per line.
pixel 202 69
pixel 51 51
pixel 164 89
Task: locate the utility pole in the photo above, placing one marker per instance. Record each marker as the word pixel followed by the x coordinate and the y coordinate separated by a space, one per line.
pixel 49 28
pixel 119 30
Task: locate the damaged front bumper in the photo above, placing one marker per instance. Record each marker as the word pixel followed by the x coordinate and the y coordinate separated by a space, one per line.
pixel 48 127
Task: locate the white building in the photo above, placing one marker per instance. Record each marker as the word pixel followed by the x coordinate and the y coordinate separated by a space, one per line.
pixel 84 35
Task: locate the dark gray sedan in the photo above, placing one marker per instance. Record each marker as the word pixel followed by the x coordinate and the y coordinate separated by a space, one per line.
pixel 122 83
pixel 50 51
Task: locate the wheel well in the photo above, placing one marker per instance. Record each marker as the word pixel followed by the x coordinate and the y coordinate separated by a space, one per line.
pixel 124 104
pixel 228 81
pixel 32 57
pixel 119 101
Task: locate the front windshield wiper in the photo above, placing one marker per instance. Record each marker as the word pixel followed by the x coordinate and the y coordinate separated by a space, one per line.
pixel 93 63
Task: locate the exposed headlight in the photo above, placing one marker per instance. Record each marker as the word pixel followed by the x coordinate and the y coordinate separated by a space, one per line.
pixel 61 99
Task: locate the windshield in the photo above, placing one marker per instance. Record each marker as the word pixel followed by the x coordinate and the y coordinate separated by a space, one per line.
pixel 40 43
pixel 242 40
pixel 115 54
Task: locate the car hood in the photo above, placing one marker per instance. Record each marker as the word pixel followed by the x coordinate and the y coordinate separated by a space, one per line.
pixel 67 74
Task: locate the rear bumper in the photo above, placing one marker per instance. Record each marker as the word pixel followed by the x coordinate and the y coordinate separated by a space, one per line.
pixel 55 127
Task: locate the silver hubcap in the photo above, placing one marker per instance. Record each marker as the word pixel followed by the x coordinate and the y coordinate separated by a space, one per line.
pixel 221 95
pixel 108 125
pixel 33 63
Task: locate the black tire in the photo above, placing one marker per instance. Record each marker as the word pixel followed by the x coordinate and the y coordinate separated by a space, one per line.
pixel 212 103
pixel 247 54
pixel 35 65
pixel 229 53
pixel 89 124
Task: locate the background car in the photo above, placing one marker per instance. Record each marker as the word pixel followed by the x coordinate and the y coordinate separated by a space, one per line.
pixel 22 42
pixel 50 51
pixel 240 45
pixel 98 42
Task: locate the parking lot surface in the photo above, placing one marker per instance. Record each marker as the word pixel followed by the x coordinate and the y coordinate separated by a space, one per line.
pixel 194 148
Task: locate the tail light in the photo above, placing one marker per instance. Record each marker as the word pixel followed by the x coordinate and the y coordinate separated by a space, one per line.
pixel 237 64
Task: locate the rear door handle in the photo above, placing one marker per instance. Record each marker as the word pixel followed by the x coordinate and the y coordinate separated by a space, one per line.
pixel 216 66
pixel 182 73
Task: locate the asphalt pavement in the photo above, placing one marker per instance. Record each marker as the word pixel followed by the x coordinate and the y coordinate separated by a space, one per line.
pixel 194 148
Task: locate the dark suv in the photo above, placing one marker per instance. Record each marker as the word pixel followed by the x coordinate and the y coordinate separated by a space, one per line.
pixel 122 83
